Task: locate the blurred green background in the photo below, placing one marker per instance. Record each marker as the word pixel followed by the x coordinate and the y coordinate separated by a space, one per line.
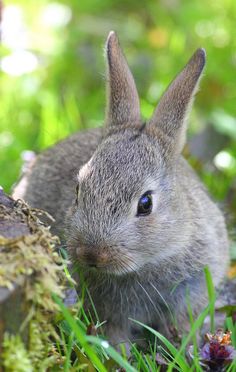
pixel 52 75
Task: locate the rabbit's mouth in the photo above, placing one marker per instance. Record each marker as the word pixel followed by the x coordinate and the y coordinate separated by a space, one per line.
pixel 111 268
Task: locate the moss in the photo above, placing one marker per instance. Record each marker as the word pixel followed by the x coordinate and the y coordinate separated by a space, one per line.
pixel 15 356
pixel 34 258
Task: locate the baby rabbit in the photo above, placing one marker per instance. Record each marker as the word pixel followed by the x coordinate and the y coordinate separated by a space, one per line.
pixel 140 226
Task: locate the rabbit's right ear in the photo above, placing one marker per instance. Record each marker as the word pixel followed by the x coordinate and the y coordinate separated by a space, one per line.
pixel 122 98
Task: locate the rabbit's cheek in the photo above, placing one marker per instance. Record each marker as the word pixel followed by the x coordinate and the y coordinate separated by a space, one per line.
pixel 147 225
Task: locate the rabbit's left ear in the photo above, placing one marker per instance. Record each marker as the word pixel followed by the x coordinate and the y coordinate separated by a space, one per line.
pixel 122 97
pixel 169 118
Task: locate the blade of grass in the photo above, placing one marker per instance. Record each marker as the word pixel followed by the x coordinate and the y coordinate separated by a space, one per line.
pixel 196 325
pixel 141 366
pixel 68 350
pixel 151 363
pixel 178 357
pixel 79 335
pixel 167 356
pixel 231 327
pixel 112 353
pixel 211 296
pixel 195 345
pixel 232 367
pixel 209 309
pixel 123 351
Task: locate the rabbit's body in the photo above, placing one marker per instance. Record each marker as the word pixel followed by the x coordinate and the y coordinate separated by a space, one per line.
pixel 141 227
pixel 59 165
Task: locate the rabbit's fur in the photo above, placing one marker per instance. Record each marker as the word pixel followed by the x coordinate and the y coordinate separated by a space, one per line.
pixel 140 267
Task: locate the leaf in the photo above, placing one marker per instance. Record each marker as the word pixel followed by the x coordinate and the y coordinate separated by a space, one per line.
pixel 228 309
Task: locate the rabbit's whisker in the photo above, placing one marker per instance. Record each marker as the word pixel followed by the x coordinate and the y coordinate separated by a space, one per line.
pixel 160 314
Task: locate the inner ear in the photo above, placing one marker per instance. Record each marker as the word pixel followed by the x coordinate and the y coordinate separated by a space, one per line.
pixel 170 117
pixel 123 107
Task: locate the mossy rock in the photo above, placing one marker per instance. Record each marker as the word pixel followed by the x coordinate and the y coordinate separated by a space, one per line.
pixel 30 271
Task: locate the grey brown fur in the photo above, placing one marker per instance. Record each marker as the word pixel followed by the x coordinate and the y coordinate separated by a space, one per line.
pixel 135 267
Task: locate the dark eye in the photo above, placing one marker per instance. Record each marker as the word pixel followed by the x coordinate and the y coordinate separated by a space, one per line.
pixel 145 204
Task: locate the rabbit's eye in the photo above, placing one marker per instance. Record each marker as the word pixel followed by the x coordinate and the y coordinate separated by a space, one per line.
pixel 145 204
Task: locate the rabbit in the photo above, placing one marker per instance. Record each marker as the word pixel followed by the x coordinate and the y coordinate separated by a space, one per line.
pixel 137 222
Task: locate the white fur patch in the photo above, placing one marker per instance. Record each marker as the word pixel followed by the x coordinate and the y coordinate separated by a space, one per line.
pixel 84 171
pixel 20 188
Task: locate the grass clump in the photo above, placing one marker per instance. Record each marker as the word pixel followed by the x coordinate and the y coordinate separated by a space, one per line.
pixel 80 346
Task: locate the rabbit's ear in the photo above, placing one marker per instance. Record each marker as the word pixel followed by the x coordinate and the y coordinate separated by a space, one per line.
pixel 122 98
pixel 171 114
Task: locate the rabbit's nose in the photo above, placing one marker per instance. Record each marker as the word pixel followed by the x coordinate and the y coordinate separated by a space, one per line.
pixel 95 259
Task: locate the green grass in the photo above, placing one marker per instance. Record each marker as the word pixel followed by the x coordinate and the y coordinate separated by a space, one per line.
pixel 85 352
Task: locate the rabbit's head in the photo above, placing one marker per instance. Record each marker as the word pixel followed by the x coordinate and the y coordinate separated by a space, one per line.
pixel 129 210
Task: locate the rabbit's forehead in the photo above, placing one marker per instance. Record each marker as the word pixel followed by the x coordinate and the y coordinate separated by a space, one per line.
pixel 128 163
pixel 124 151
